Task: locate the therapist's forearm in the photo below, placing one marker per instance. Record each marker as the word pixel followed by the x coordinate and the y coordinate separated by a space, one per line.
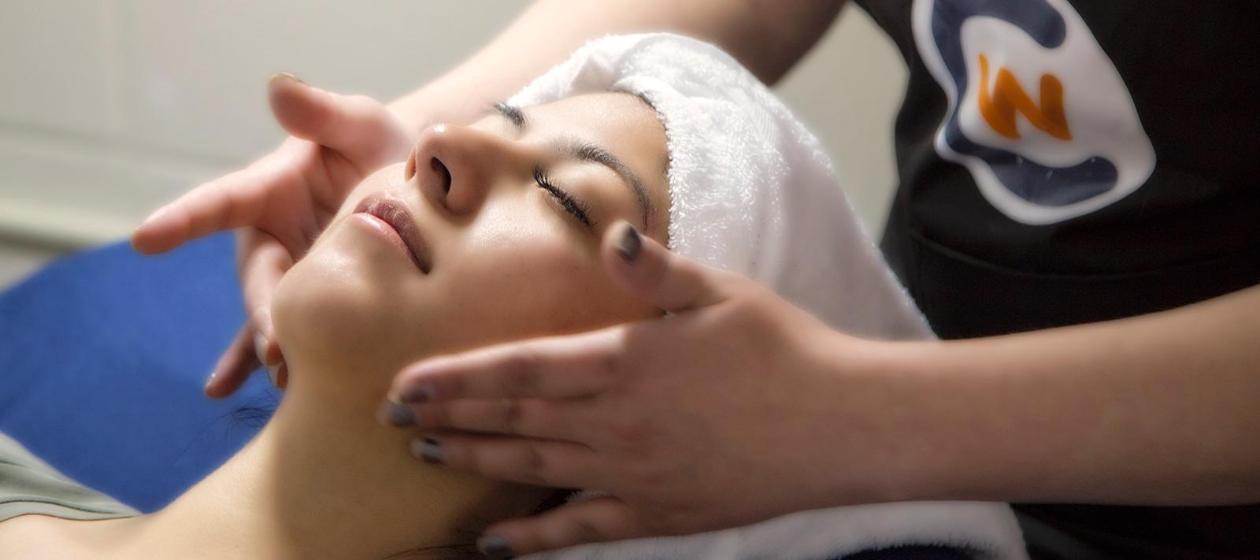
pixel 1160 409
pixel 768 36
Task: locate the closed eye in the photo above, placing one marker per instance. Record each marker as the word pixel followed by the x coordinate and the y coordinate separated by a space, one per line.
pixel 570 204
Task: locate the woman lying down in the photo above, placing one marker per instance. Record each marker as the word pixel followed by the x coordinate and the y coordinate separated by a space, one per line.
pixel 491 232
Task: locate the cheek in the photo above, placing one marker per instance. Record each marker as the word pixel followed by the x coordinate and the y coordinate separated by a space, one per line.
pixel 518 279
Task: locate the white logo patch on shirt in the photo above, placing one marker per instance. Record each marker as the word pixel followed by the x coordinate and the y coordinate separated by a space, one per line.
pixel 1037 111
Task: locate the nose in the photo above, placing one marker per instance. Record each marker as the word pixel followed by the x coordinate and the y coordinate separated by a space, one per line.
pixel 455 167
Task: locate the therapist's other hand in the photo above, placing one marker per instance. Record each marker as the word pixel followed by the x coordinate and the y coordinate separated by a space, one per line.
pixel 710 417
pixel 280 203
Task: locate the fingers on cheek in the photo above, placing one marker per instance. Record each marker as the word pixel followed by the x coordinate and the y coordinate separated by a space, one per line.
pixel 508 459
pixel 502 416
pixel 474 454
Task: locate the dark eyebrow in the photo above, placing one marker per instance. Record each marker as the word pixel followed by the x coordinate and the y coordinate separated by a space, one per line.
pixel 585 151
pixel 512 114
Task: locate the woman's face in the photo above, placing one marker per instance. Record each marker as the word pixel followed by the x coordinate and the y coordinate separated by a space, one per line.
pixel 487 233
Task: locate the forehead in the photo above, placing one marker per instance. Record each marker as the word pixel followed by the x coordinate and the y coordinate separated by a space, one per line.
pixel 621 119
pixel 619 122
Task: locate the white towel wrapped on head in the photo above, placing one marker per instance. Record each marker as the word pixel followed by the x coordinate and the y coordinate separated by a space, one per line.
pixel 751 189
pixel 752 192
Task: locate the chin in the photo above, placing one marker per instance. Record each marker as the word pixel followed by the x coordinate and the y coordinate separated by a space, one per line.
pixel 342 307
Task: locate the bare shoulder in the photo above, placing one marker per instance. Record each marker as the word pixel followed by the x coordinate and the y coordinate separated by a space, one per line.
pixel 27 536
pixel 41 536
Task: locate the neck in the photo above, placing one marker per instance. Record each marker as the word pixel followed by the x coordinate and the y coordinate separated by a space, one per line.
pixel 324 479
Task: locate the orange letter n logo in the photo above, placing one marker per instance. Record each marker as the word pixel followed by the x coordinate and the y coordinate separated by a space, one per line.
pixel 999 107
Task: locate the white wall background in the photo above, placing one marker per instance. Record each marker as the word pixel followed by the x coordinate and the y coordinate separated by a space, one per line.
pixel 110 107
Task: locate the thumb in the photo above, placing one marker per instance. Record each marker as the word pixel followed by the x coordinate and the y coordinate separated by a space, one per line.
pixel 357 126
pixel 648 270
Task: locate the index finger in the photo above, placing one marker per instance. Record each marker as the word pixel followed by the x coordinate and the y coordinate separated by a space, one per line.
pixel 550 368
pixel 231 201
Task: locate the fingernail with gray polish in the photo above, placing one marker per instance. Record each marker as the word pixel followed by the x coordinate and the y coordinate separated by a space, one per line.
pixel 494 547
pixel 629 245
pixel 428 449
pixel 397 414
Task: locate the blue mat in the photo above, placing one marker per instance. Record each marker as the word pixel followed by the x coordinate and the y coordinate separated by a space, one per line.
pixel 103 355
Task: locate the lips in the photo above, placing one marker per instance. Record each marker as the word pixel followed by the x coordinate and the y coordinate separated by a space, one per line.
pixel 394 213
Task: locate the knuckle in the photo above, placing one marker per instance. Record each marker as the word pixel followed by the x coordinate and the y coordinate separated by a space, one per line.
pixel 628 354
pixel 675 521
pixel 651 476
pixel 631 434
pixel 608 365
pixel 533 464
pixel 579 530
pixel 511 416
pixel 658 522
pixel 522 373
pixel 360 106
pixel 468 455
pixel 237 202
pixel 445 385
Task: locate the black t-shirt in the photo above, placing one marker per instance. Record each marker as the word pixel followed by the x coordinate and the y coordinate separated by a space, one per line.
pixel 1064 162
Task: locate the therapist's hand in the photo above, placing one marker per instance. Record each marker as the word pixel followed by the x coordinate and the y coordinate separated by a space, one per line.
pixel 727 411
pixel 281 203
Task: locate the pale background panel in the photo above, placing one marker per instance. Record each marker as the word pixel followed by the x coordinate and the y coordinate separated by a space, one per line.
pixel 109 108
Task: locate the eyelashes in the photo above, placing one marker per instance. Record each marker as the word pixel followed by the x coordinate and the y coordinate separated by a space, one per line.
pixel 571 205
